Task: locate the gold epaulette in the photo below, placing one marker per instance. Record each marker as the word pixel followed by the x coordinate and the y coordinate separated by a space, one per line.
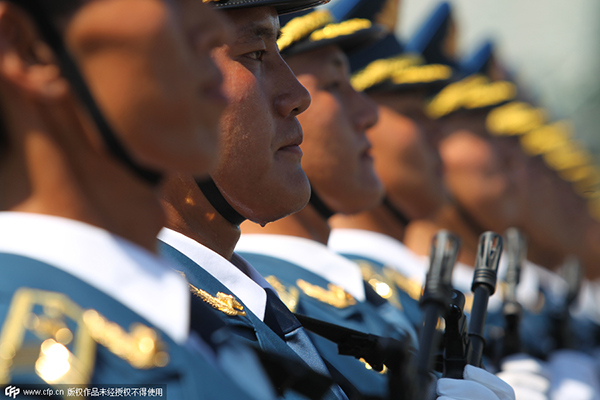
pixel 489 95
pixel 571 155
pixel 381 70
pixel 300 28
pixel 408 286
pixel 450 99
pixel 422 74
pixel 546 138
pixel 344 28
pixel 580 173
pixel 471 93
pixel 48 333
pixel 515 118
pixel 382 285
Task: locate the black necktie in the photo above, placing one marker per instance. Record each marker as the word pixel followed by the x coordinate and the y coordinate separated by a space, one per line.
pixel 278 317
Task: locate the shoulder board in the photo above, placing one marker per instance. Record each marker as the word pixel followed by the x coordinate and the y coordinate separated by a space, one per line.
pixel 50 334
pixel 334 295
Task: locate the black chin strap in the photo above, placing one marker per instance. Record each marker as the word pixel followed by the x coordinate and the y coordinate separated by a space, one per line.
pixel 318 204
pixel 71 72
pixel 399 215
pixel 220 204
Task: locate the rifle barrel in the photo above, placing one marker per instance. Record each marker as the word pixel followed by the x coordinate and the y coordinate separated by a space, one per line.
pixel 435 299
pixel 484 285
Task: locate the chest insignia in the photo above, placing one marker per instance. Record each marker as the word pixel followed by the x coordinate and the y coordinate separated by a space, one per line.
pixel 334 295
pixel 225 303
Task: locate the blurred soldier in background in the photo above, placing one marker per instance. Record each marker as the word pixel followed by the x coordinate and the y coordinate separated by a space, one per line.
pixel 342 180
pixel 490 174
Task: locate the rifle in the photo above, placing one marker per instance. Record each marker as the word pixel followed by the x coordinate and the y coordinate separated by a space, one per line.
pixel 516 246
pixel 434 300
pixel 484 285
pixel 377 351
pixel 456 340
pixel 463 348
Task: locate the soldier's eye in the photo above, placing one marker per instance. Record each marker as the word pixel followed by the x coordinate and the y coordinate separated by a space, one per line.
pixel 333 86
pixel 256 55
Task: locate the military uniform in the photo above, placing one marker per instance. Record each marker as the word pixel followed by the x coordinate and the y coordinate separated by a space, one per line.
pixel 323 285
pixel 383 259
pixel 79 305
pixel 242 302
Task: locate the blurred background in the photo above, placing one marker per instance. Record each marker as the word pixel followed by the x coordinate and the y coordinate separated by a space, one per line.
pixel 551 47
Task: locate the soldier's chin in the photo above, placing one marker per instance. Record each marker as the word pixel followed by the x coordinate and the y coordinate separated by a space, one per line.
pixel 288 204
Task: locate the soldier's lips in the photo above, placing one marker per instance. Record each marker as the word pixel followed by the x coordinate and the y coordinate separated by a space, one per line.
pixel 292 149
pixel 291 144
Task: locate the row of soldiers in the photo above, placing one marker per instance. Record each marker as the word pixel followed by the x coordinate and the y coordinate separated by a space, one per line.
pixel 294 165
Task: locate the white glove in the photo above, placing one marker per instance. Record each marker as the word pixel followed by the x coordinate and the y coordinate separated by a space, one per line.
pixel 528 377
pixel 574 376
pixel 477 384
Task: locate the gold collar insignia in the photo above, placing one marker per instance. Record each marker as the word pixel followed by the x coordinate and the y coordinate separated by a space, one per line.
pixel 289 297
pixel 225 303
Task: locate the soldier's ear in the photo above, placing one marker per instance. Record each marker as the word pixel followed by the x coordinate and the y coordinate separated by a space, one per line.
pixel 26 62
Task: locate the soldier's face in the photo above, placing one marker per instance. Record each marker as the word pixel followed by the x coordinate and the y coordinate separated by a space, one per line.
pixel 259 169
pixel 406 154
pixel 476 174
pixel 148 64
pixel 337 155
pixel 549 219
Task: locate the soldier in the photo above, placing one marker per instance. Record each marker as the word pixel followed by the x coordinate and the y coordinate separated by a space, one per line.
pixel 258 177
pixel 92 118
pixel 406 160
pixel 405 152
pixel 344 115
pixel 292 249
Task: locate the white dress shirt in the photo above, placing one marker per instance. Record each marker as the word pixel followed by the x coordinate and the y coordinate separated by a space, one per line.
pixel 117 267
pixel 250 290
pixel 381 248
pixel 310 255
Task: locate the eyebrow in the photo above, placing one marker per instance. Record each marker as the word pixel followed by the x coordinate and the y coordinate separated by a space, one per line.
pixel 253 31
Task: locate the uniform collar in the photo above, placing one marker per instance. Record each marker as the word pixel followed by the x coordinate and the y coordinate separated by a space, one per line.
pixel 310 255
pixel 117 267
pixel 249 290
pixel 381 248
